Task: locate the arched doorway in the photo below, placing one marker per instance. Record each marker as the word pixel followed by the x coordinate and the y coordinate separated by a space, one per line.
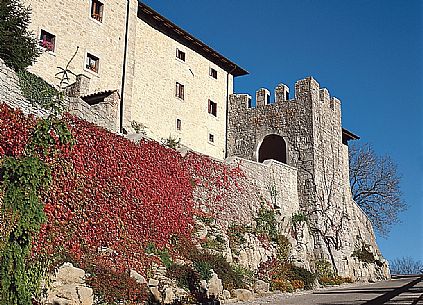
pixel 272 147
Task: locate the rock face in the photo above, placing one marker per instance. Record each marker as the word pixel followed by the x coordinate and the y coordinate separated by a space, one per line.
pixel 68 287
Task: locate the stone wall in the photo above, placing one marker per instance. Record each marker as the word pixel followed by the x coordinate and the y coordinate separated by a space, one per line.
pixel 10 92
pixel 104 114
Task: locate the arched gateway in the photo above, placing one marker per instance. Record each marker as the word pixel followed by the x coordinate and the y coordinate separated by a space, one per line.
pixel 272 147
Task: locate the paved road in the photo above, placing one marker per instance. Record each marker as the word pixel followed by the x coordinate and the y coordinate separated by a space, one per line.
pixel 402 290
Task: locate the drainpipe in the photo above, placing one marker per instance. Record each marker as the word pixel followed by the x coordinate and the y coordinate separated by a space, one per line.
pixel 227 109
pixel 124 67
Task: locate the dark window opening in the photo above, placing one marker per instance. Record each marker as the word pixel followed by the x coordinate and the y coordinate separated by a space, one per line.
pixel 178 124
pixel 92 63
pixel 97 10
pixel 179 91
pixel 211 138
pixel 180 54
pixel 212 108
pixel 250 103
pixel 47 41
pixel 213 73
pixel 272 147
pixel 287 96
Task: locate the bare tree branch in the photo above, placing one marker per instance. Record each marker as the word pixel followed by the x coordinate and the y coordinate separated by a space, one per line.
pixel 375 186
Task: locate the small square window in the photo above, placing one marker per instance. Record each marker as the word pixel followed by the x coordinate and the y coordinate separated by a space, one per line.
pixel 47 41
pixel 178 124
pixel 97 10
pixel 180 90
pixel 211 138
pixel 212 108
pixel 92 63
pixel 180 54
pixel 213 73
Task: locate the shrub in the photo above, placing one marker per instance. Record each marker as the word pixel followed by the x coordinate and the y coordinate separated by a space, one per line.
pixel 323 268
pixel 297 284
pixel 185 276
pixel 300 273
pixel 203 268
pixel 112 287
pixel 298 217
pixel 283 247
pixel 266 223
pixel 334 280
pixel 18 48
pixel 282 285
pixel 236 236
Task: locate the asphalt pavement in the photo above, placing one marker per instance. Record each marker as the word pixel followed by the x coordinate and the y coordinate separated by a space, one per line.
pixel 401 290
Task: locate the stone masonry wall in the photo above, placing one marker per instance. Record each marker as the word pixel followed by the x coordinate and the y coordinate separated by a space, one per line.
pixel 103 114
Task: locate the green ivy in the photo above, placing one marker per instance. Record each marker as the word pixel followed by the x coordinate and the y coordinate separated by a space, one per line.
pixel 266 223
pixel 39 92
pixel 22 180
pixel 298 217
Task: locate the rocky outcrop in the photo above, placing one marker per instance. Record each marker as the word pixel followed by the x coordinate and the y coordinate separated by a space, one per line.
pixel 68 287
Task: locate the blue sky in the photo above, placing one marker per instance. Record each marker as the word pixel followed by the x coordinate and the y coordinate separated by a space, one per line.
pixel 368 53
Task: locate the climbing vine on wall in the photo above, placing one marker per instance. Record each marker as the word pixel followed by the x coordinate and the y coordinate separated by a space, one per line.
pixel 24 174
pixel 108 197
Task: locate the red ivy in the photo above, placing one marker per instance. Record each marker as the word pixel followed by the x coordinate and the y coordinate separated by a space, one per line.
pixel 111 197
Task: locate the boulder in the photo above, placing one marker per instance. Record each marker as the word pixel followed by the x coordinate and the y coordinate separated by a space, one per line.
pixel 214 285
pixel 261 287
pixel 138 277
pixel 243 295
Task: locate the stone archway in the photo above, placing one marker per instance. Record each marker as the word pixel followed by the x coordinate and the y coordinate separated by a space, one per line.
pixel 272 147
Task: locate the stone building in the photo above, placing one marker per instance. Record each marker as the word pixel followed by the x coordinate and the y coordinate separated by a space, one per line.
pixel 176 86
pixel 169 81
pixel 305 133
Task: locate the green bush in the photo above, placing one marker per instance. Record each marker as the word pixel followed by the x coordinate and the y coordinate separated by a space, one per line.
pixel 323 268
pixel 299 273
pixel 266 223
pixel 18 47
pixel 203 268
pixel 283 247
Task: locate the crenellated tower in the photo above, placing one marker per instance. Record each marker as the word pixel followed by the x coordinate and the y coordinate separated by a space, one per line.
pixel 304 132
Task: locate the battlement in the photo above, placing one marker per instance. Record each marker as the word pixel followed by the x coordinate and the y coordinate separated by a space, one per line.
pixel 305 89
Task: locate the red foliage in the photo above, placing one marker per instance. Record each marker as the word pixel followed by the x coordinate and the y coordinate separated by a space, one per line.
pixel 112 194
pixel 15 130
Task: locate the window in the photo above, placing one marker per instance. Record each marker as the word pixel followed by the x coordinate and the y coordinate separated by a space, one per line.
pixel 47 41
pixel 179 90
pixel 97 10
pixel 92 63
pixel 249 103
pixel 213 73
pixel 180 54
pixel 178 124
pixel 211 138
pixel 212 108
